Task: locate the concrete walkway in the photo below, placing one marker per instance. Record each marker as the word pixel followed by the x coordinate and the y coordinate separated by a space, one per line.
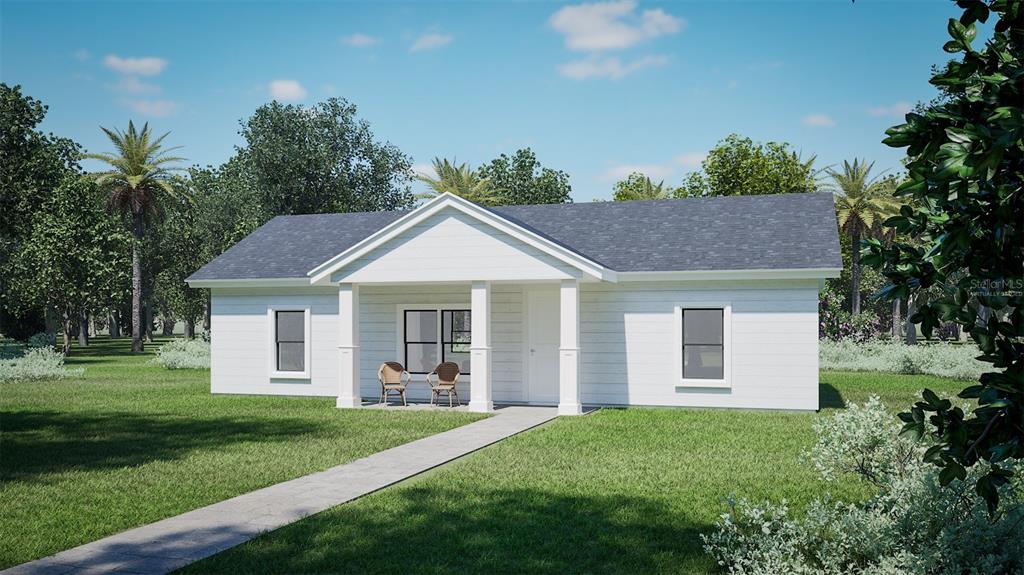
pixel 172 543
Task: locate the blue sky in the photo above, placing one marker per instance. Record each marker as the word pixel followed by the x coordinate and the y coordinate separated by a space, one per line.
pixel 596 89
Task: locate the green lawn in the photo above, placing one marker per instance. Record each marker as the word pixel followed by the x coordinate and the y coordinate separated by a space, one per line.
pixel 617 491
pixel 130 443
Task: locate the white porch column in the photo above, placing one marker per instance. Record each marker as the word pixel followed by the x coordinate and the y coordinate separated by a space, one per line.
pixel 569 349
pixel 348 346
pixel 480 348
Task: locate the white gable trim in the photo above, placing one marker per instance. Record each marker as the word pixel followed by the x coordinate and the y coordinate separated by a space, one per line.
pixel 321 274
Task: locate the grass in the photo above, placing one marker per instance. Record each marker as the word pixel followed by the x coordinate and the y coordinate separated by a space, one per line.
pixel 618 491
pixel 130 442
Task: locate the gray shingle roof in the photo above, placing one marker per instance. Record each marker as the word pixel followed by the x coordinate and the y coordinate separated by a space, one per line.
pixel 786 231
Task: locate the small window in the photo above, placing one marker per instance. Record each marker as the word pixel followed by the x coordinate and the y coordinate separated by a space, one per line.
pixel 703 344
pixel 455 337
pixel 290 337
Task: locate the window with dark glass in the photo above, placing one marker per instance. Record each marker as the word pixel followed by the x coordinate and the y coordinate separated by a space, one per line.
pixel 423 349
pixel 703 344
pixel 290 337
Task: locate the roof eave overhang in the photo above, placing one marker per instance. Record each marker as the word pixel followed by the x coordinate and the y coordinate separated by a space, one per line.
pixel 741 274
pixel 590 270
pixel 247 282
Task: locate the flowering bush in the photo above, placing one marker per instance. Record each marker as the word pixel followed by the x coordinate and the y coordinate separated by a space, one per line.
pixel 941 359
pixel 913 525
pixel 184 354
pixel 835 323
pixel 36 364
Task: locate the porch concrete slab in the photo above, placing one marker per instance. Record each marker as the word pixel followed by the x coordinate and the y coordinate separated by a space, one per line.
pixel 174 542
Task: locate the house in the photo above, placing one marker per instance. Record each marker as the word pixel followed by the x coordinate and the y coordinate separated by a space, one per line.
pixel 708 302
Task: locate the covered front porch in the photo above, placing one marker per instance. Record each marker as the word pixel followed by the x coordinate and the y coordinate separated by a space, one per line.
pixel 522 345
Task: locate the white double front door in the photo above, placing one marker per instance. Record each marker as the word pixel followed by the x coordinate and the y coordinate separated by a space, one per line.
pixel 542 344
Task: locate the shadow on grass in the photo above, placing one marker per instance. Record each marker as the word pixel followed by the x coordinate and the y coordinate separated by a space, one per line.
pixel 437 530
pixel 40 442
pixel 829 396
pixel 106 347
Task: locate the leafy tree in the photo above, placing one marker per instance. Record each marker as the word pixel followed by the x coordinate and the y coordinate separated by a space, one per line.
pixel 320 159
pixel 965 158
pixel 75 259
pixel 738 166
pixel 639 187
pixel 862 204
pixel 460 180
pixel 521 180
pixel 32 164
pixel 140 179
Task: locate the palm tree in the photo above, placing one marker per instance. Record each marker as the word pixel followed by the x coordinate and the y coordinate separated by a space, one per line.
pixel 862 204
pixel 139 179
pixel 460 180
pixel 639 187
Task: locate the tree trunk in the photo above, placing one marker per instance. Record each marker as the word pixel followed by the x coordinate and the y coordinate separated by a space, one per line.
pixel 897 322
pixel 137 345
pixel 168 326
pixel 50 319
pixel 206 312
pixel 148 321
pixel 114 327
pixel 190 328
pixel 83 329
pixel 911 328
pixel 68 326
pixel 855 271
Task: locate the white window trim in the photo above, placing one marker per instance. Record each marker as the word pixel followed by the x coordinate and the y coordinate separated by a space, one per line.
pixel 272 342
pixel 726 381
pixel 400 310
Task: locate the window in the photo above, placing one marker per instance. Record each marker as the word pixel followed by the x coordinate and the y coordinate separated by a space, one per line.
pixel 290 340
pixel 433 336
pixel 703 344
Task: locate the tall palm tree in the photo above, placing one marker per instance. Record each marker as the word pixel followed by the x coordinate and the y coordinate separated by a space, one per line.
pixel 639 187
pixel 863 202
pixel 139 179
pixel 460 180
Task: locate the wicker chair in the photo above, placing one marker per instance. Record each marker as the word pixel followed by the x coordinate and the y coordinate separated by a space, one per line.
pixel 443 380
pixel 390 376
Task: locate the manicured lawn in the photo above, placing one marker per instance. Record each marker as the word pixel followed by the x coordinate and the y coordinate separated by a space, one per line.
pixel 618 491
pixel 130 443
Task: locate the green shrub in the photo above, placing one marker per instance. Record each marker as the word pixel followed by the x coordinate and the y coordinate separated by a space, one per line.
pixel 41 339
pixel 41 363
pixel 184 354
pixel 941 359
pixel 913 525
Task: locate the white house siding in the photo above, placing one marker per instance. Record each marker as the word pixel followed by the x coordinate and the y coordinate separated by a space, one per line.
pixel 449 247
pixel 240 344
pixel 628 339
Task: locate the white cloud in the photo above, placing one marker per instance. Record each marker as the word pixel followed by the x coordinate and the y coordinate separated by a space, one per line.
pixel 149 66
pixel 430 41
pixel 897 110
pixel 360 40
pixel 611 25
pixel 691 159
pixel 621 171
pixel 155 108
pixel 819 121
pixel 132 85
pixel 614 68
pixel 424 170
pixel 287 90
pixel 81 55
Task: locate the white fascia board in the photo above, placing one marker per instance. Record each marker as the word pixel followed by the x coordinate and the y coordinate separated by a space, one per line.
pixel 790 274
pixel 321 274
pixel 248 283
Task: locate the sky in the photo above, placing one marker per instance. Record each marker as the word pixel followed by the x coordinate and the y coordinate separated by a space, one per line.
pixel 597 89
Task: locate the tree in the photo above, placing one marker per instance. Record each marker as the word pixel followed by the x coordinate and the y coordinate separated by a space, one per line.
pixel 639 187
pixel 32 164
pixel 521 180
pixel 75 259
pixel 460 180
pixel 738 166
pixel 320 159
pixel 140 179
pixel 965 158
pixel 862 204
